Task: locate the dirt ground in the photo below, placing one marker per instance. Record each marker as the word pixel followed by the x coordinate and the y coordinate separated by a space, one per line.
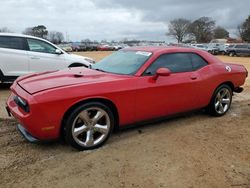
pixel 193 150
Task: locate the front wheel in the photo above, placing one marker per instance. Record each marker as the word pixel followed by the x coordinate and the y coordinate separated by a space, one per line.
pixel 221 101
pixel 89 126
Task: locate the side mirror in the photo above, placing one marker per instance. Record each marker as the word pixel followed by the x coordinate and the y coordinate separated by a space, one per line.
pixel 58 52
pixel 162 72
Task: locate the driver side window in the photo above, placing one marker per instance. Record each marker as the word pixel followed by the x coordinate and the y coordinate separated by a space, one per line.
pixel 40 46
pixel 176 62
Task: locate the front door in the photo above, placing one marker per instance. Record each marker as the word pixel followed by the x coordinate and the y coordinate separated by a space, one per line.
pixel 42 57
pixel 168 94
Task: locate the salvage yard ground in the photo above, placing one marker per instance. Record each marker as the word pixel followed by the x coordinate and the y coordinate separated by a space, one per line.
pixel 194 150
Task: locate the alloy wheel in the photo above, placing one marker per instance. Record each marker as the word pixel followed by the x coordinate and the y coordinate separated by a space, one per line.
pixel 91 127
pixel 222 101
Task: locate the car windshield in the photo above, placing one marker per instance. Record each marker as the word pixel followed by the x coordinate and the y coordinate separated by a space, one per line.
pixel 123 62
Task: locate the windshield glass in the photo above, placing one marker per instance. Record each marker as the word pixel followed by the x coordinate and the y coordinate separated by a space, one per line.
pixel 123 62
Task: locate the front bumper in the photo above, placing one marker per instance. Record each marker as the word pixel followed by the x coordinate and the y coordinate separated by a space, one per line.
pixel 22 130
pixel 33 127
pixel 26 134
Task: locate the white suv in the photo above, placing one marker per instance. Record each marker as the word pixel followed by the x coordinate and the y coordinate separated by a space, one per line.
pixel 22 54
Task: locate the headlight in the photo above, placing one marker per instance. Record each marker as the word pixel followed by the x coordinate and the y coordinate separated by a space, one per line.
pixel 21 103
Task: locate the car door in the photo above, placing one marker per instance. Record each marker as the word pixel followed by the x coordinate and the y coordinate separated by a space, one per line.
pixel 42 56
pixel 168 94
pixel 13 56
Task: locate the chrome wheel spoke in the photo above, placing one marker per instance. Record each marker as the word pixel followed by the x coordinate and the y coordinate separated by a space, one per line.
pixel 217 104
pixel 98 116
pixel 221 108
pixel 225 101
pixel 89 138
pixel 84 116
pixel 224 93
pixel 218 96
pixel 101 128
pixel 79 130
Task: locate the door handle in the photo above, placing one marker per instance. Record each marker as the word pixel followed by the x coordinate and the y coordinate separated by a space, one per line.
pixel 33 57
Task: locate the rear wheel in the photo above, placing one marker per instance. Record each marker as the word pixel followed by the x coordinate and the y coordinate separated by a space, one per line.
pixel 231 54
pixel 89 126
pixel 221 101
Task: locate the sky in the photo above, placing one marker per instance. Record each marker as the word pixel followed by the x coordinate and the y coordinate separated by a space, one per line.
pixel 118 19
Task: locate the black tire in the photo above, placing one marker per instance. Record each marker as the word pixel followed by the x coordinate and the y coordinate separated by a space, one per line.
pixel 71 121
pixel 1 76
pixel 213 107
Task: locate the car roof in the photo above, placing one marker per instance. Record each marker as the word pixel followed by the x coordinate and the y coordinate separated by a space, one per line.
pixel 161 49
pixel 19 35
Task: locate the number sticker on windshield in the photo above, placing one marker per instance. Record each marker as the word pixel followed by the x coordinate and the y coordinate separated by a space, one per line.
pixel 144 53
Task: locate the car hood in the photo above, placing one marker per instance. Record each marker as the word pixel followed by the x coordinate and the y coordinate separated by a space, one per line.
pixel 80 59
pixel 35 83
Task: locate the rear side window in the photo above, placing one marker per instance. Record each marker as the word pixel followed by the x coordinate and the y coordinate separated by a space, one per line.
pixel 177 62
pixel 198 61
pixel 241 46
pixel 12 42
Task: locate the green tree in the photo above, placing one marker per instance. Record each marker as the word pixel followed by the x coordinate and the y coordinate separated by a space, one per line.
pixel 220 33
pixel 244 30
pixel 37 31
pixel 178 28
pixel 202 29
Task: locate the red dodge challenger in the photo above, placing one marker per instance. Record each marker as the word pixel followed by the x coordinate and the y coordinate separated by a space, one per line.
pixel 84 105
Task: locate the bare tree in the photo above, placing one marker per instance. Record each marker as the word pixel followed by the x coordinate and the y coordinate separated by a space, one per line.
pixel 4 30
pixel 202 29
pixel 28 31
pixel 55 37
pixel 178 28
pixel 240 31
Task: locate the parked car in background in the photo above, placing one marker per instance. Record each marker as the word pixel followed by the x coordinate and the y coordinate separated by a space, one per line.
pixel 228 48
pixel 91 46
pixel 210 49
pixel 239 50
pixel 22 54
pixel 117 47
pixel 75 47
pixel 130 86
pixel 66 47
pixel 104 47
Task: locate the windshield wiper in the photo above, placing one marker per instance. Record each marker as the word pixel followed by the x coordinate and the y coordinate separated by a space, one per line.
pixel 100 70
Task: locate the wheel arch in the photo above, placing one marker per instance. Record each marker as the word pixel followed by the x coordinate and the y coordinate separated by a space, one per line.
pixel 77 64
pixel 105 101
pixel 229 83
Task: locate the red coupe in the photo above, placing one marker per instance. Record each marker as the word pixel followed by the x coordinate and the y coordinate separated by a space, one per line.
pixel 84 105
